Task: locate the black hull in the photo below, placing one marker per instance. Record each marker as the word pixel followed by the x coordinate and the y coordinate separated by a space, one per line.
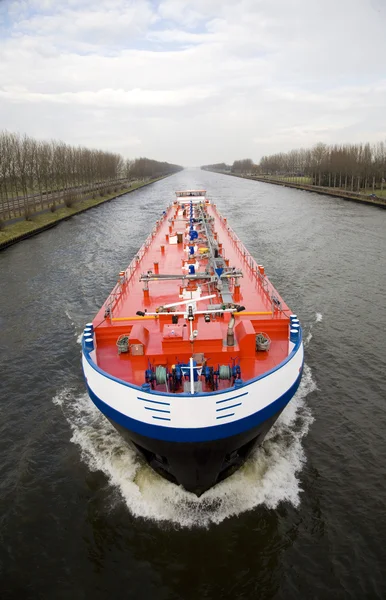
pixel 198 466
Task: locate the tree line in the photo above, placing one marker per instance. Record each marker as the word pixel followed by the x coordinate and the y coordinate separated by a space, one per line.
pixel 352 167
pixel 145 167
pixel 217 167
pixel 35 174
pixel 245 166
pixel 348 166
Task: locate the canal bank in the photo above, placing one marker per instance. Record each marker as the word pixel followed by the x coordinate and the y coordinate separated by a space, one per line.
pixel 325 191
pixel 22 229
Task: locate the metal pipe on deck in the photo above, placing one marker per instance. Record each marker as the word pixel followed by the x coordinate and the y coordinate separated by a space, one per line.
pixel 191 375
pixel 184 302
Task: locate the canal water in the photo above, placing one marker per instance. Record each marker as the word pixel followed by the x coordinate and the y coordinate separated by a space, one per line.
pixel 82 517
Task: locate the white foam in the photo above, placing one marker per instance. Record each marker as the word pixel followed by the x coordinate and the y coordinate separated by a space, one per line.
pixel 69 317
pixel 308 337
pixel 269 477
pixel 76 329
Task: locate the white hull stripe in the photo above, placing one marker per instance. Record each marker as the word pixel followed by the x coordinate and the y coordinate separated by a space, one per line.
pixel 203 434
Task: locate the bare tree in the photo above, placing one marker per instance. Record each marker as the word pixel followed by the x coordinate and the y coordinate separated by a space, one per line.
pixel 38 174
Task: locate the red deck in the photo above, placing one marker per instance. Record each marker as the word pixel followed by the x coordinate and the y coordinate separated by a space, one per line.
pixel 164 343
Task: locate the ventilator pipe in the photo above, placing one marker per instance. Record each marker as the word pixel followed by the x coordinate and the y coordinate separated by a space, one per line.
pixel 236 289
pixel 230 332
pixel 145 289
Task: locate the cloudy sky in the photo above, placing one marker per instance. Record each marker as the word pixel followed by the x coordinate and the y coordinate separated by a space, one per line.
pixel 194 81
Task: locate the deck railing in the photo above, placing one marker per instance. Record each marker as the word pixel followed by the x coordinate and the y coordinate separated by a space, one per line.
pixel 116 293
pixel 250 261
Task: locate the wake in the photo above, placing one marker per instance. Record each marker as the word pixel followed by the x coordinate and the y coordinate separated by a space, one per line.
pixel 269 477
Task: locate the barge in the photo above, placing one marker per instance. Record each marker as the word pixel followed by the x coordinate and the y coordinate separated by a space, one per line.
pixel 194 354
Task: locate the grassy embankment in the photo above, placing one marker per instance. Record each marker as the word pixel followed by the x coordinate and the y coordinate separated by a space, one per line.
pixel 298 180
pixel 308 181
pixel 14 232
pixel 305 183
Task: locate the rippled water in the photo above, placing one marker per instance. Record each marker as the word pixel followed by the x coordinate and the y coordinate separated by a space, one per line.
pixel 82 516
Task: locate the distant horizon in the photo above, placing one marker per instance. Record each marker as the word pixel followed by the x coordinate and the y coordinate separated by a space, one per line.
pixel 194 82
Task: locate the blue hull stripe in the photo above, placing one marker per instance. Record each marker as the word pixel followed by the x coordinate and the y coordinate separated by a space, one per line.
pixel 153 401
pixel 228 407
pixel 223 416
pixel 198 434
pixel 233 398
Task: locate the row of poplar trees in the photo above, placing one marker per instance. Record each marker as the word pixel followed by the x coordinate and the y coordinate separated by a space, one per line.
pixel 353 167
pixel 35 174
pixel 349 166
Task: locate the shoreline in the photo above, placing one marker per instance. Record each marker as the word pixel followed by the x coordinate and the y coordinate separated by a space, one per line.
pixel 68 212
pixel 334 192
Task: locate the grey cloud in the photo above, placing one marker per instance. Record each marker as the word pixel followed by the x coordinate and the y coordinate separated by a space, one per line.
pixel 196 81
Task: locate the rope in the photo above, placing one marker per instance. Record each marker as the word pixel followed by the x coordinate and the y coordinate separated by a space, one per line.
pixel 225 372
pixel 262 341
pixel 160 375
pixel 103 320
